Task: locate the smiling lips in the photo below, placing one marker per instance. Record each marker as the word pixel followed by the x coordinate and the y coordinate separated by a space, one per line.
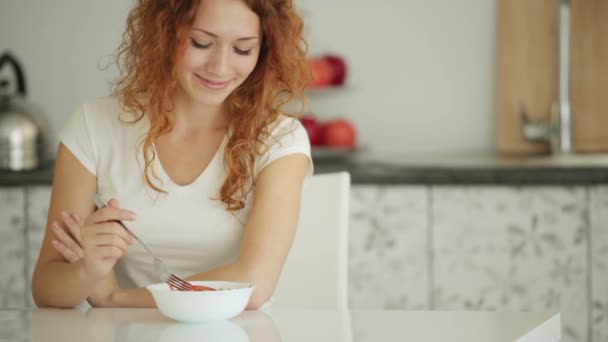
pixel 214 85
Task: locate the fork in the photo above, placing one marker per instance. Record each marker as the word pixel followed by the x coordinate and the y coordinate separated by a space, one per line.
pixel 174 281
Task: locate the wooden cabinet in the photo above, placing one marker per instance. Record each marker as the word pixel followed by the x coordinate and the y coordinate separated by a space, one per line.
pixel 528 71
pixel 589 74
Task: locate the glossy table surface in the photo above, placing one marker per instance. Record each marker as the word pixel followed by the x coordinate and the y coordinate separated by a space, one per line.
pixel 276 325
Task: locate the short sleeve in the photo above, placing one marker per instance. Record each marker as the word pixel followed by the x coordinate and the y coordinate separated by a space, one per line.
pixel 287 136
pixel 76 135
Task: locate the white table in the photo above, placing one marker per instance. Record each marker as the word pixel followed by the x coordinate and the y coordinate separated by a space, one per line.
pixel 274 325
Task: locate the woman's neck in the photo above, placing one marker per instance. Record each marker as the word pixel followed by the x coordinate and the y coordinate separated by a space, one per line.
pixel 190 115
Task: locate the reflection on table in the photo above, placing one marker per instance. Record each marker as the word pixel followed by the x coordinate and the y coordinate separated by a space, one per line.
pixel 278 325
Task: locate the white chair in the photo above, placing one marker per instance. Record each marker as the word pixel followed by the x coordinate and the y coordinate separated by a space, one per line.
pixel 316 271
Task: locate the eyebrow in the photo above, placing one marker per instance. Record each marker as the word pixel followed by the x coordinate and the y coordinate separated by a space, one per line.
pixel 215 35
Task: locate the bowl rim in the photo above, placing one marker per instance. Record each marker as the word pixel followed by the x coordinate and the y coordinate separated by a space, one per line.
pixel 164 287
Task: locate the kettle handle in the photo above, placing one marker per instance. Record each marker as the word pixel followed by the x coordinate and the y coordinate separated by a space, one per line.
pixel 8 58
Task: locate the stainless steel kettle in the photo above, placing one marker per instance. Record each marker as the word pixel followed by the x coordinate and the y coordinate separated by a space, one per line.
pixel 21 136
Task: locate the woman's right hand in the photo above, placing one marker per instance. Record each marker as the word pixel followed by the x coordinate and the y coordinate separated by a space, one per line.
pixel 102 239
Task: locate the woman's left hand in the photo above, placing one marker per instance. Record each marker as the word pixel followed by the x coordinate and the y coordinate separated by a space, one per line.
pixel 69 245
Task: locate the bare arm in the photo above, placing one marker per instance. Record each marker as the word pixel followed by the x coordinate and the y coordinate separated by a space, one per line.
pixel 56 282
pixel 73 188
pixel 272 225
pixel 268 236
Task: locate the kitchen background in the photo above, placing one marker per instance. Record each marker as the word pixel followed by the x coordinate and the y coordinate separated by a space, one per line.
pixel 439 219
pixel 421 75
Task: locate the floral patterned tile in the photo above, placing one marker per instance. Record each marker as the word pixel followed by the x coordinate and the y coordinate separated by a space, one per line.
pixel 507 248
pixel 12 255
pixel 599 262
pixel 388 247
pixel 38 206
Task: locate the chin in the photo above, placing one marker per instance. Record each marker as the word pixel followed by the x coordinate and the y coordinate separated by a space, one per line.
pixel 210 100
pixel 203 97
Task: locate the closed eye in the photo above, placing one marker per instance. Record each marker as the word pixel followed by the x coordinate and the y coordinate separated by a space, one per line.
pixel 199 45
pixel 206 46
pixel 242 52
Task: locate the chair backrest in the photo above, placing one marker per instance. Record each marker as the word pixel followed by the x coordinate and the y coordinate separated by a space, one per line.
pixel 316 271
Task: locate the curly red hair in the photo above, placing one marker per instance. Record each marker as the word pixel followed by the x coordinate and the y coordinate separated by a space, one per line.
pixel 153 43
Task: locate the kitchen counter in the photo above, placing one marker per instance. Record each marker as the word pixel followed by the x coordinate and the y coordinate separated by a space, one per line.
pixel 41 176
pixel 455 169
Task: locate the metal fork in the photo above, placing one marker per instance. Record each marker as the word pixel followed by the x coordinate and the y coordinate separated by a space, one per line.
pixel 174 281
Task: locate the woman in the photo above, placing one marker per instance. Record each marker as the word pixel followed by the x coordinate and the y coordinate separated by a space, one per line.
pixel 192 152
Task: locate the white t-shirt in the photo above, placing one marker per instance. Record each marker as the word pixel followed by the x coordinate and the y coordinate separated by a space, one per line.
pixel 186 227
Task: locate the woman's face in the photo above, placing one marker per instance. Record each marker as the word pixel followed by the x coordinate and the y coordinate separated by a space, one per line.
pixel 222 50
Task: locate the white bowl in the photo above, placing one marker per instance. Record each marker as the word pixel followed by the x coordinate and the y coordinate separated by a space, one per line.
pixel 200 306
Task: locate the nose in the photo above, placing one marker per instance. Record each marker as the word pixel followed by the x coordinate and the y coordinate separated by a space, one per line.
pixel 218 62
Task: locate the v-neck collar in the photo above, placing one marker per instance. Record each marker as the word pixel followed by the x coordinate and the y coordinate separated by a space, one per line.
pixel 166 182
pixel 169 183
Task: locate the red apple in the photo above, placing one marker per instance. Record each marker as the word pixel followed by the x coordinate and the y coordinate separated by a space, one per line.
pixel 314 129
pixel 339 69
pixel 322 73
pixel 340 133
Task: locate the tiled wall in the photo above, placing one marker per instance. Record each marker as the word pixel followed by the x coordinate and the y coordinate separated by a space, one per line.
pixel 484 248
pixel 512 249
pixel 12 252
pixel 419 247
pixel 599 262
pixel 37 207
pixel 389 247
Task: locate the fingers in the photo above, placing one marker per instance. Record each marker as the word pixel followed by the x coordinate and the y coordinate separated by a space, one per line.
pixel 99 239
pixel 104 241
pixel 111 240
pixel 66 241
pixel 73 226
pixel 66 252
pixel 109 252
pixel 110 214
pixel 109 228
pixel 113 203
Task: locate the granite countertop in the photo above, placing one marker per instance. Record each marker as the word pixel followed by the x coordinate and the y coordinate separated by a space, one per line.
pixel 474 169
pixel 456 169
